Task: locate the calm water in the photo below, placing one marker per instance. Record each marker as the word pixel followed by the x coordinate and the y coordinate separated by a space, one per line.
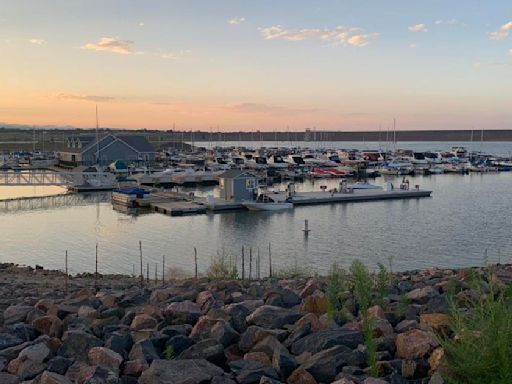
pixel 466 218
pixel 502 148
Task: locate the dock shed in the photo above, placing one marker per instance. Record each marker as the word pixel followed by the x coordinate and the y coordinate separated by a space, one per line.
pixel 238 185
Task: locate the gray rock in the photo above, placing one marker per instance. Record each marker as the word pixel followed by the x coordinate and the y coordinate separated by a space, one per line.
pixel 16 314
pixel 209 349
pixel 270 317
pixel 224 334
pixel 76 344
pixel 59 365
pixel 325 339
pixel 251 372
pixel 7 378
pixel 179 343
pixel 143 350
pixel 120 342
pixel 8 340
pixel 180 372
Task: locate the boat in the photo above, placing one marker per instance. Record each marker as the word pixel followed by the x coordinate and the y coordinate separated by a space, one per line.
pixel 265 203
pixel 363 185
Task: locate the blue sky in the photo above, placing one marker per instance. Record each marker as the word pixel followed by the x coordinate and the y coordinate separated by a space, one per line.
pixel 257 64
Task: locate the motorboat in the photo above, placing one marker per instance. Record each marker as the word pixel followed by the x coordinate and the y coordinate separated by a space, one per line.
pixel 265 203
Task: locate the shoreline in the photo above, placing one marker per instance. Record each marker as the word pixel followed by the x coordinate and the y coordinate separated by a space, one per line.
pixel 112 330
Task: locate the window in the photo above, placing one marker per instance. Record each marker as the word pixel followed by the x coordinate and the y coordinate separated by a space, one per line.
pixel 250 183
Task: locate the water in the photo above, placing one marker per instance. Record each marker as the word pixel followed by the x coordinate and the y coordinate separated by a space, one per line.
pixel 466 218
pixel 502 148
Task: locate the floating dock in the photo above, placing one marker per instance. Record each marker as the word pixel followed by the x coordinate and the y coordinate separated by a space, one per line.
pixel 178 204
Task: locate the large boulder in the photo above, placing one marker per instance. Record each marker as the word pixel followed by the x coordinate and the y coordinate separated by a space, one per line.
pixel 184 312
pixel 414 343
pixel 143 350
pixel 270 317
pixel 8 340
pixel 16 314
pixel 143 321
pixel 76 344
pixel 195 371
pixel 318 341
pixel 209 349
pixel 105 357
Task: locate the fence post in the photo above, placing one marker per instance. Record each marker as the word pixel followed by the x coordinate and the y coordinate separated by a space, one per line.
pixel 270 260
pixel 141 273
pixel 195 261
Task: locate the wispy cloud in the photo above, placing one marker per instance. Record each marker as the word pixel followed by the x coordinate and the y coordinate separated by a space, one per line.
pixel 111 44
pixel 37 41
pixel 70 96
pixel 263 108
pixel 413 45
pixel 175 55
pixel 236 20
pixel 502 32
pixel 141 24
pixel 418 28
pixel 337 36
pixel 449 22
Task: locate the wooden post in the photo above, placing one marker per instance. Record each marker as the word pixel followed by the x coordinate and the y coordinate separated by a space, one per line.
pixel 147 274
pixel 258 265
pixel 96 270
pixel 243 263
pixel 250 263
pixel 141 274
pixel 270 260
pixel 163 269
pixel 195 261
pixel 156 273
pixel 67 276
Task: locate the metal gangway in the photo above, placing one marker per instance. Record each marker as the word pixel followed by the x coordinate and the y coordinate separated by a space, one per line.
pixel 38 177
pixel 53 202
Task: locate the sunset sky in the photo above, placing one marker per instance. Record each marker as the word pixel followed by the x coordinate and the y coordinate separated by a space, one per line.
pixel 247 65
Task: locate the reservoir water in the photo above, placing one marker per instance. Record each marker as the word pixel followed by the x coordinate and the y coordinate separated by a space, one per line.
pixel 467 220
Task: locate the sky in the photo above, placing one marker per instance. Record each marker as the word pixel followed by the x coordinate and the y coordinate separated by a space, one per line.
pixel 265 65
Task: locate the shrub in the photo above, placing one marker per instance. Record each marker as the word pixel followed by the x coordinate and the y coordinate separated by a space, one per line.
pixel 337 292
pixel 383 283
pixel 481 349
pixel 222 267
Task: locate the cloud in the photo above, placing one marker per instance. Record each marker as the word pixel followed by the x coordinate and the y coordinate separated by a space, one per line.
pixel 337 36
pixel 175 55
pixel 263 108
pixel 141 24
pixel 502 32
pixel 449 22
pixel 493 65
pixel 236 20
pixel 37 41
pixel 97 99
pixel 413 45
pixel 418 28
pixel 111 44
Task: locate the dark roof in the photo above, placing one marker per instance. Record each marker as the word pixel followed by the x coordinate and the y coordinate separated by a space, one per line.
pixel 139 142
pixel 234 173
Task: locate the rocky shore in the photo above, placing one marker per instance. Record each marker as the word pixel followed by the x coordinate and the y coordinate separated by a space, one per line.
pixel 202 331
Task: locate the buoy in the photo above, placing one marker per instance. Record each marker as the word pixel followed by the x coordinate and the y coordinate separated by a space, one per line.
pixel 306 229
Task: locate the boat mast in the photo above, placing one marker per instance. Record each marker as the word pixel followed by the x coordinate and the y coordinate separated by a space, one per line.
pixel 394 134
pixel 97 138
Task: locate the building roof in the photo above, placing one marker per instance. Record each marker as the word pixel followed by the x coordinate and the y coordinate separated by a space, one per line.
pixel 234 173
pixel 139 143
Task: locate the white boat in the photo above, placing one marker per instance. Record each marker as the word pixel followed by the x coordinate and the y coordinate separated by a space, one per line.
pixel 267 206
pixel 362 185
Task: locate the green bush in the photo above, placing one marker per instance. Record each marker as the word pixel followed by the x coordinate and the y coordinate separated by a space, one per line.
pixel 222 267
pixel 480 350
pixel 337 292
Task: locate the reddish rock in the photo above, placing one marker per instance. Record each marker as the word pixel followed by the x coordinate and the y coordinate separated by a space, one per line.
pixel 414 343
pixel 311 286
pixel 83 292
pixel 376 312
pixel 315 303
pixel 48 325
pixel 301 376
pixel 382 328
pixel 310 319
pixel 203 327
pixel 153 311
pixel 258 356
pixel 108 300
pixel 44 305
pixel 87 312
pixel 352 325
pixel 437 321
pixel 143 321
pixel 373 380
pixel 435 359
pixel 203 297
pixel 53 378
pixel 135 367
pixel 105 357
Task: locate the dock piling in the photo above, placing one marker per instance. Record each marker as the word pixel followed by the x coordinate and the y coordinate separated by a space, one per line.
pixel 163 269
pixel 195 261
pixel 243 263
pixel 96 271
pixel 67 276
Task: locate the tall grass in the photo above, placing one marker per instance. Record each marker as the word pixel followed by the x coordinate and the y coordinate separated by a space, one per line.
pixel 481 349
pixel 222 267
pixel 337 293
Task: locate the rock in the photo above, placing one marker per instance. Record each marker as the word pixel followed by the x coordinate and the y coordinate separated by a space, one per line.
pixel 260 357
pixel 224 334
pixel 48 325
pixel 435 359
pixel 37 353
pixel 105 357
pixel 25 332
pixel 381 328
pixel 59 365
pixel 282 297
pixel 8 340
pixel 251 372
pixel 76 344
pixel 315 303
pixel 268 380
pixel 16 314
pixel 270 317
pixel 87 312
pixel 7 378
pixel 202 329
pixel 203 297
pixel 135 367
pixel 178 344
pixel 373 380
pixel 143 321
pixel 301 376
pixel 310 287
pixel 437 321
pixel 238 312
pixel 376 312
pixel 143 350
pixel 423 295
pixel 185 312
pixel 209 349
pixel 414 343
pixel 283 362
pixel 53 378
pixel 120 342
pixel 28 369
pixel 325 365
pixel 255 334
pixel 406 325
pixel 179 372
pixel 436 379
pixel 325 339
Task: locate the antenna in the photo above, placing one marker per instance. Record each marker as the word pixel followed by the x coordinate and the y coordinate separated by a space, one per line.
pixel 97 137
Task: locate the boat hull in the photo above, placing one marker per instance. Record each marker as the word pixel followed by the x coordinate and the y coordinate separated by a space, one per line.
pixel 253 206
